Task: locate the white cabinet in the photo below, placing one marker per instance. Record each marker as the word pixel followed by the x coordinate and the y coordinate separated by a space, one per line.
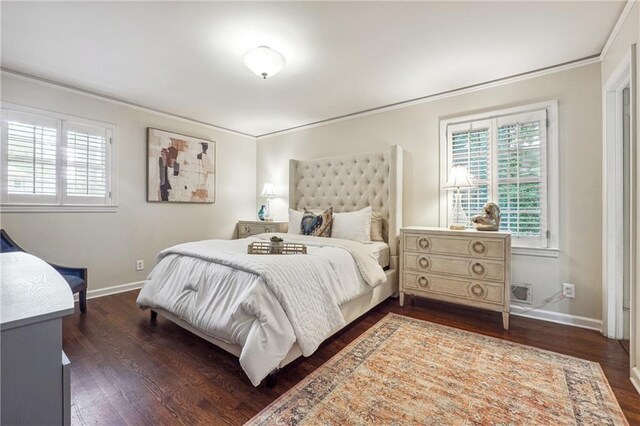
pixel 35 386
pixel 465 267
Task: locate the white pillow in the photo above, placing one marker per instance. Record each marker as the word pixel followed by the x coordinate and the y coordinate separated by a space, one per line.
pixel 295 218
pixel 354 226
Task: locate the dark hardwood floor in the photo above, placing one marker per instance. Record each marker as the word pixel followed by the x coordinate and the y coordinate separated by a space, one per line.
pixel 126 370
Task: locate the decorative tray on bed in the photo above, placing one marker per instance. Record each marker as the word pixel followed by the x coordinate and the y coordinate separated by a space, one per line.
pixel 266 247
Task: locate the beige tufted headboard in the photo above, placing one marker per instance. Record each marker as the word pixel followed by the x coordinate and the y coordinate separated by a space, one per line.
pixel 350 183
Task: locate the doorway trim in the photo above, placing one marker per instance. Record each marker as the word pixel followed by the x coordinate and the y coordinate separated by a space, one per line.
pixel 613 229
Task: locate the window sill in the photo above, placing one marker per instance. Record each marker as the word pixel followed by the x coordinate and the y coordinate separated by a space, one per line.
pixel 535 251
pixel 46 208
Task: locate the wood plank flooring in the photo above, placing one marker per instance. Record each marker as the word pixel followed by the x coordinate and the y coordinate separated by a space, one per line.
pixel 126 370
pixel 625 346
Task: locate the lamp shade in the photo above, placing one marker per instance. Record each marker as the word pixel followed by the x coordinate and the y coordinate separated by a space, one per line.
pixel 458 178
pixel 264 61
pixel 268 190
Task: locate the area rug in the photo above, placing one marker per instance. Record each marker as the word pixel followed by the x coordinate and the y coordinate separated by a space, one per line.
pixel 408 371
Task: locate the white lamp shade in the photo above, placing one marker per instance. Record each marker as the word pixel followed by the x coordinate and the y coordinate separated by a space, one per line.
pixel 268 190
pixel 263 61
pixel 458 178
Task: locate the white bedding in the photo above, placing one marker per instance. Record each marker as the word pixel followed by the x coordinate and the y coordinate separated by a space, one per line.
pixel 380 251
pixel 262 303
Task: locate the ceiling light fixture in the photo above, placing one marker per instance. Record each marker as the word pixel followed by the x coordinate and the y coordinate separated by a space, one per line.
pixel 263 61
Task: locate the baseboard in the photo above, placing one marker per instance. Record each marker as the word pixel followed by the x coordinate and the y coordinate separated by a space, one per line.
pixel 558 318
pixel 635 378
pixel 99 292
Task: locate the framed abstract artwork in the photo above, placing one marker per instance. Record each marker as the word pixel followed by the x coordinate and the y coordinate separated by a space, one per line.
pixel 180 169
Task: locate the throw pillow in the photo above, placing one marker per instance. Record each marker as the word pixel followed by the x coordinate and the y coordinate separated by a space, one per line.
pixel 376 227
pixel 317 225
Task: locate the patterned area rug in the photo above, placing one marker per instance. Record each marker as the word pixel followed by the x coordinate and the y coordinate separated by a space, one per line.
pixel 408 371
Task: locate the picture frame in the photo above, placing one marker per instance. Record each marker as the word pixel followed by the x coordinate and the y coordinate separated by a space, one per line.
pixel 180 168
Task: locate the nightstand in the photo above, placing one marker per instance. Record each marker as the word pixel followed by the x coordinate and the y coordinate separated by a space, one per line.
pixel 469 268
pixel 246 228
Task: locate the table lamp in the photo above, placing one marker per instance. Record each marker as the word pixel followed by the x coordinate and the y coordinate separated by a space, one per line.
pixel 268 191
pixel 458 178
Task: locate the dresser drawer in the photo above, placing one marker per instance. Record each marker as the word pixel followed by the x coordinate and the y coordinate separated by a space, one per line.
pixel 457 246
pixel 248 229
pixel 466 289
pixel 479 269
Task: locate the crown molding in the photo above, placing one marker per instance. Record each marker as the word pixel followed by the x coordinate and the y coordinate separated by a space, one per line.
pixel 94 95
pixel 442 95
pixel 403 104
pixel 616 28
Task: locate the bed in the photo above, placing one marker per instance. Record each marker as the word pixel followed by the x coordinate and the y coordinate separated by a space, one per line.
pixel 270 310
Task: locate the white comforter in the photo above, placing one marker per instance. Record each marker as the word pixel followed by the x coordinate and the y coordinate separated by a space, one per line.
pixel 262 303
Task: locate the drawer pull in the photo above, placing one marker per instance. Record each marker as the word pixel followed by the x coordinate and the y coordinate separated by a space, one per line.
pixel 478 268
pixel 477 290
pixel 267 229
pixel 479 247
pixel 247 229
pixel 423 243
pixel 423 281
pixel 423 262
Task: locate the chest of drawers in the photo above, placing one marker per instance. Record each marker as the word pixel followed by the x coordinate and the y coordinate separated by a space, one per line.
pixel 465 267
pixel 246 228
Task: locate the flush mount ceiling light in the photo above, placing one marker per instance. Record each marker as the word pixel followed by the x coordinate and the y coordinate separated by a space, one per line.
pixel 263 61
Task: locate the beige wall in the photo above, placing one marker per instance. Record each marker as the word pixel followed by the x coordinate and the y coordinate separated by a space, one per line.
pixel 109 243
pixel 416 129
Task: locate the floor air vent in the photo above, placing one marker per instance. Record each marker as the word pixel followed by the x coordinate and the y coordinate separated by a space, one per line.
pixel 521 293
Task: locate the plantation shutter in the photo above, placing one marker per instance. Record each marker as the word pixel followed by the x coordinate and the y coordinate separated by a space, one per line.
pixel 470 146
pixel 87 164
pixel 521 168
pixel 49 161
pixel 506 157
pixel 31 154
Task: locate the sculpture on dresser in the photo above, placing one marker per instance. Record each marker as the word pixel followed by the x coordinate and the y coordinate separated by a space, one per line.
pixel 489 220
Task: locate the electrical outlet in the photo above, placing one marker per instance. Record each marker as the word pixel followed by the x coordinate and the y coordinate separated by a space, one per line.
pixel 569 290
pixel 139 265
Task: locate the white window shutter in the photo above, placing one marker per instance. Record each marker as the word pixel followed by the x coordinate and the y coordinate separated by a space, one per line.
pixel 87 164
pixel 49 162
pixel 521 171
pixel 31 154
pixel 470 146
pixel 506 156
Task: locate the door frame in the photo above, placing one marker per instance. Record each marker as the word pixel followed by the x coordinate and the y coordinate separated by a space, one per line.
pixel 612 197
pixel 612 224
pixel 634 202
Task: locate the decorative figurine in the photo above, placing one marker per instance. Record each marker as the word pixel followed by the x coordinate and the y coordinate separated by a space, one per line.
pixel 490 220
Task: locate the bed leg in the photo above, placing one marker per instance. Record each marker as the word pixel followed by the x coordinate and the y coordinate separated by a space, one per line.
pixel 154 315
pixel 272 379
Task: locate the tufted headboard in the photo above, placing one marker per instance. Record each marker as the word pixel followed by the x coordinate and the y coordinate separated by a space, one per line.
pixel 350 183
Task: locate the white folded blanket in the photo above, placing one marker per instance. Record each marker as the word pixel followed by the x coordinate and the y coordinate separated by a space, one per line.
pixel 368 266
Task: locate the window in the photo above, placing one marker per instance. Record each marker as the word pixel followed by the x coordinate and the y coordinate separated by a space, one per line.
pixel 55 162
pixel 506 153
